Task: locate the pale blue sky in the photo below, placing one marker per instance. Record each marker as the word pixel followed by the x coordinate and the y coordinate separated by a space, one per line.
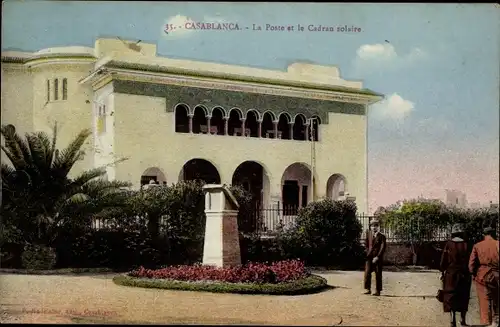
pixel 442 58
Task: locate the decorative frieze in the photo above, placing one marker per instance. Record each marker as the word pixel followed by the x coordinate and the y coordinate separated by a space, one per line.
pixel 210 98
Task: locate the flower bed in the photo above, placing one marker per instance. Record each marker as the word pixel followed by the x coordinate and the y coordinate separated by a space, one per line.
pixel 278 272
pixel 279 278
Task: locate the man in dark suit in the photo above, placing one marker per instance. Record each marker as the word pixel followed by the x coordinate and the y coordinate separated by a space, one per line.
pixel 375 247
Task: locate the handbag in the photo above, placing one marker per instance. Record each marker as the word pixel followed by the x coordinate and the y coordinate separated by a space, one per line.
pixel 440 296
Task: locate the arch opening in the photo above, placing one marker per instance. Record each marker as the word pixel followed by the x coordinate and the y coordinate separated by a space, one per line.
pixel 267 127
pixel 299 128
pixel 253 178
pixel 217 123
pixel 181 119
pixel 234 122
pixel 199 120
pixel 295 188
pixel 336 187
pixel 284 126
pixel 200 169
pixel 252 124
pixel 153 175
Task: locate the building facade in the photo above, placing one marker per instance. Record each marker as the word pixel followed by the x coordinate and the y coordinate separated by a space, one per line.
pixel 289 136
pixel 455 198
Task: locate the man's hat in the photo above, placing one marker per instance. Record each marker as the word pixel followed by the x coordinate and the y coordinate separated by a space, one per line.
pixel 375 221
pixel 488 229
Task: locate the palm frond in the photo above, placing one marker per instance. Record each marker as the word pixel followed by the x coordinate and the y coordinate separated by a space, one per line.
pixel 78 198
pixel 53 145
pixel 15 148
pixel 41 151
pixel 88 175
pixel 66 159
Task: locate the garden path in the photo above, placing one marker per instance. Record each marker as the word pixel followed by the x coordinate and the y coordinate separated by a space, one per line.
pixel 408 299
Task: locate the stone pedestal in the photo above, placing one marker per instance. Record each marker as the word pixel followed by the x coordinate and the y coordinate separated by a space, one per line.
pixel 222 245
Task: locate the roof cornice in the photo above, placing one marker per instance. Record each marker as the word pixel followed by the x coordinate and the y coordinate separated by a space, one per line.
pixel 234 77
pixel 102 76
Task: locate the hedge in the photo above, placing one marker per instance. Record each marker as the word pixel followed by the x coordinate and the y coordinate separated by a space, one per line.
pixel 308 285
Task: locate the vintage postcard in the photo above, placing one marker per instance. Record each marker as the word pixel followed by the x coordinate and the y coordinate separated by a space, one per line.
pixel 162 162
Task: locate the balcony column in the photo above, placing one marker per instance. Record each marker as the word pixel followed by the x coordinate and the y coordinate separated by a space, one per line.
pixel 259 123
pixel 242 127
pixel 190 118
pixel 275 125
pixel 208 124
pixel 291 130
pixel 307 133
pixel 226 125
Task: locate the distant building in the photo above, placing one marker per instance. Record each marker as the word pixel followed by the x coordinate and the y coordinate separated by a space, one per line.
pixel 454 198
pixel 478 205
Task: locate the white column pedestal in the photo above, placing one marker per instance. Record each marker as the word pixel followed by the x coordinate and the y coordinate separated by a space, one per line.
pixel 222 244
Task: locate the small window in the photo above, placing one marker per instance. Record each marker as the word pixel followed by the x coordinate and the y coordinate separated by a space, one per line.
pixel 48 90
pixel 56 89
pixel 65 89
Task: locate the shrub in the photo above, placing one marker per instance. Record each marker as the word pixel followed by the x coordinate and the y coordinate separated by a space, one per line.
pixel 38 257
pixel 326 233
pixel 278 272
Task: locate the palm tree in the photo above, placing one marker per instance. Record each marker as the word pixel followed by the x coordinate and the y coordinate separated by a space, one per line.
pixel 38 197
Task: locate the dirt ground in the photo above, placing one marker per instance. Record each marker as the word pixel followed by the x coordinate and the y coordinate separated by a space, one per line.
pixel 408 300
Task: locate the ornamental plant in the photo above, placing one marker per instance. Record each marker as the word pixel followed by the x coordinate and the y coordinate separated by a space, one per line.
pixel 277 272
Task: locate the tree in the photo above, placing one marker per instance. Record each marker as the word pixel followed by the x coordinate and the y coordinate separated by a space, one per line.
pixel 416 222
pixel 38 197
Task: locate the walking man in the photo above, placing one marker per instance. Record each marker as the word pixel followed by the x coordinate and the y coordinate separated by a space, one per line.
pixel 375 247
pixel 483 265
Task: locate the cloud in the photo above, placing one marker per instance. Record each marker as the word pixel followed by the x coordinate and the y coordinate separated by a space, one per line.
pixel 377 52
pixel 393 107
pixel 383 56
pixel 179 23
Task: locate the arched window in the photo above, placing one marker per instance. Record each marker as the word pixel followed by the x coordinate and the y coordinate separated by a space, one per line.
pixel 65 89
pixel 181 119
pixel 56 89
pixel 48 90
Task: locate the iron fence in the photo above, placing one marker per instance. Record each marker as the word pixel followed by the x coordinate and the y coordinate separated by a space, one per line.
pixel 413 231
pixel 272 220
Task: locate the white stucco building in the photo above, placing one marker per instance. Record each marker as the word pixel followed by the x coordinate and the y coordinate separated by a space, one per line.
pixel 179 119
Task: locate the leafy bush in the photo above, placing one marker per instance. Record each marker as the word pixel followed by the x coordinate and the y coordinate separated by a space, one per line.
pixel 327 232
pixel 277 272
pixel 307 285
pixel 474 221
pixel 109 248
pixel 38 257
pixel 254 248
